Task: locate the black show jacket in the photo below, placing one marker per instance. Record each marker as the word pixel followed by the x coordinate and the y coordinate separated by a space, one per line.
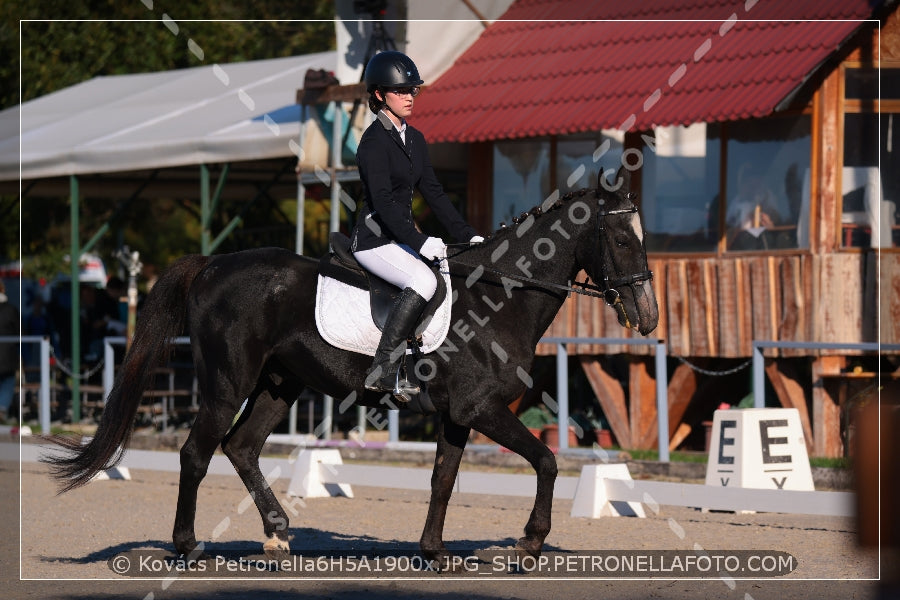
pixel 389 171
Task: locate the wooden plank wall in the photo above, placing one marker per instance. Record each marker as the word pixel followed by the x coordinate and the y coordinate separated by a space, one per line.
pixel 889 298
pixel 715 307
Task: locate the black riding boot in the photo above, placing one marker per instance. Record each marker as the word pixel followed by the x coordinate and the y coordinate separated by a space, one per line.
pixel 384 375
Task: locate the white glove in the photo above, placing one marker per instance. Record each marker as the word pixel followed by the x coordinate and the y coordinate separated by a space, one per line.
pixel 433 248
pixel 476 239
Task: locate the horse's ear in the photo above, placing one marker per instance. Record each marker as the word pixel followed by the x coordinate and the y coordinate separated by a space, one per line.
pixel 625 176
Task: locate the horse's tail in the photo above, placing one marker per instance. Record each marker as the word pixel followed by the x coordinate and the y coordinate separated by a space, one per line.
pixel 162 318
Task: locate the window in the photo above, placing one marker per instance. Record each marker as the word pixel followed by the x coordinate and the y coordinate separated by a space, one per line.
pixel 527 171
pixel 575 165
pixel 765 187
pixel 521 177
pixel 680 189
pixel 869 186
pixel 765 190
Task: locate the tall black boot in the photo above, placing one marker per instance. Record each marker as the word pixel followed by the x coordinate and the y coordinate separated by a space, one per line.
pixel 384 375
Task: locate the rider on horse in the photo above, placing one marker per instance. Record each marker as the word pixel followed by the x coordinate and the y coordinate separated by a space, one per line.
pixel 393 159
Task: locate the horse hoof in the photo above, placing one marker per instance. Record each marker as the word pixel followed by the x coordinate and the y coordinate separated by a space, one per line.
pixel 276 548
pixel 446 563
pixel 440 560
pixel 528 547
pixel 192 551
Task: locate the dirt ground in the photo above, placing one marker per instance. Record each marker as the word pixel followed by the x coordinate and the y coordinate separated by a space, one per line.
pixel 71 544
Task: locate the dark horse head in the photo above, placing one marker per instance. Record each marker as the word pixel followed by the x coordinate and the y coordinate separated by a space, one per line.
pixel 595 230
pixel 616 257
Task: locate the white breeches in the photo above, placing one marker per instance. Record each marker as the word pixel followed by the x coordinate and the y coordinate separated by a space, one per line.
pixel 395 265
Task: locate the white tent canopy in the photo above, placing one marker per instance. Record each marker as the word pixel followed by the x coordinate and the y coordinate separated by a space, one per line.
pixel 207 114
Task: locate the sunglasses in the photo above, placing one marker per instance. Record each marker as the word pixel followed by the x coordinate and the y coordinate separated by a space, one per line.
pixel 412 91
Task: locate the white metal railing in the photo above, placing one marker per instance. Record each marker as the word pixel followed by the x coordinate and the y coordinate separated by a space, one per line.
pixel 759 366
pixel 562 398
pixel 109 370
pixel 562 390
pixel 44 393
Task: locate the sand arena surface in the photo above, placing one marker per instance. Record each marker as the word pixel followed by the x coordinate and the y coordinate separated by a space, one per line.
pixel 74 537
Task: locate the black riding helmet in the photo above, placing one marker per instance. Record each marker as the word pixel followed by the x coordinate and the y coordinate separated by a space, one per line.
pixel 391 69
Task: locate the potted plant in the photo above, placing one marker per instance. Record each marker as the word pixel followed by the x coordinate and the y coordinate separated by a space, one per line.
pixel 602 432
pixel 536 418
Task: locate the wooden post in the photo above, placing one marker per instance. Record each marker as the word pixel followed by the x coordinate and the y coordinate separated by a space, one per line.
pixel 642 404
pixel 611 397
pixel 681 390
pixel 826 411
pixel 790 394
pixel 875 466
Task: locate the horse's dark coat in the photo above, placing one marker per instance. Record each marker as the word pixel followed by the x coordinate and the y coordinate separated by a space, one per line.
pixel 250 316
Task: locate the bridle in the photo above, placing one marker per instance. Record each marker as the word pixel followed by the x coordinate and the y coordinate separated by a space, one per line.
pixel 608 291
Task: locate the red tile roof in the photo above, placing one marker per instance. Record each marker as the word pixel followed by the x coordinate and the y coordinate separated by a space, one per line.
pixel 673 62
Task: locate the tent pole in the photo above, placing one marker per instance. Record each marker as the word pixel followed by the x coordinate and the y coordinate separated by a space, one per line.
pixel 298 244
pixel 75 258
pixel 337 126
pixel 301 189
pixel 239 218
pixel 335 225
pixel 301 210
pixel 205 213
pixel 217 194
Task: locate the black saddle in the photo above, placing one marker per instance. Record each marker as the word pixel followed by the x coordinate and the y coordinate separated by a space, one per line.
pixel 341 265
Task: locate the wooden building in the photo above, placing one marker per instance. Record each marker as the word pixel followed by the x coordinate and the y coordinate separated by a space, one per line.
pixel 711 105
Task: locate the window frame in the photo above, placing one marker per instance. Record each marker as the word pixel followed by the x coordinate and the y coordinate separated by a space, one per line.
pixel 876 106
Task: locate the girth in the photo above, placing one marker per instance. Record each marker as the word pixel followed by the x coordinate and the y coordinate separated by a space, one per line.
pixel 341 265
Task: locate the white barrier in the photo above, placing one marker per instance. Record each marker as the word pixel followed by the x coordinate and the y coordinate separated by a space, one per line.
pixel 655 493
pixel 601 490
pixel 119 472
pixel 152 460
pixel 592 497
pixel 311 470
pixel 594 493
pixel 318 472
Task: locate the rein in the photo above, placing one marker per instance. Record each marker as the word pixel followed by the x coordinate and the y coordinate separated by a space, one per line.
pixel 609 293
pixel 590 289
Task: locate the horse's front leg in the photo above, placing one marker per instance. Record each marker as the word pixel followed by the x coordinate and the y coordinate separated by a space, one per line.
pixel 451 442
pixel 502 426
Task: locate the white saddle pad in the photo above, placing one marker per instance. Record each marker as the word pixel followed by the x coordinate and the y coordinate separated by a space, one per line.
pixel 344 317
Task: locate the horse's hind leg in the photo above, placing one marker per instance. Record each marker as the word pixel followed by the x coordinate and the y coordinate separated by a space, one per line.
pixel 243 446
pixel 208 430
pixel 451 442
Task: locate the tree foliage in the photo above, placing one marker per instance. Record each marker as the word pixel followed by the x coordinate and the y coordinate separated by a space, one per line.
pixel 54 44
pixel 106 37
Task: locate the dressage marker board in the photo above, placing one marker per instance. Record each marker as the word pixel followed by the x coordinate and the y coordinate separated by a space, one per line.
pixel 758 448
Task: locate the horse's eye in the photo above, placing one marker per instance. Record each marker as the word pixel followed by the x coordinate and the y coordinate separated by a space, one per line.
pixel 622 242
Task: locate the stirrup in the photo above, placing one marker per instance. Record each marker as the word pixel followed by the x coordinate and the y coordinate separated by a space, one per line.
pixel 402 390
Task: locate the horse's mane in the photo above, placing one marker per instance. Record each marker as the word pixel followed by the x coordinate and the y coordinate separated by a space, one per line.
pixel 536 212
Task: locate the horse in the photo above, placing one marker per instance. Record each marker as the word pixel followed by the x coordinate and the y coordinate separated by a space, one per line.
pixel 250 316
